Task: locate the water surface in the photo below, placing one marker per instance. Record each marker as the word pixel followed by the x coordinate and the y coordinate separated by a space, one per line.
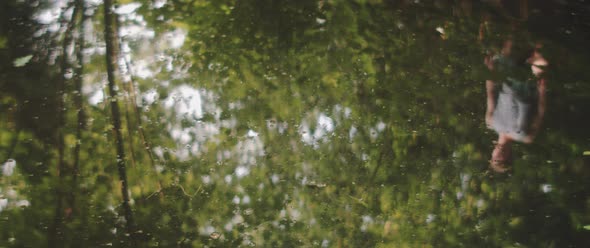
pixel 341 123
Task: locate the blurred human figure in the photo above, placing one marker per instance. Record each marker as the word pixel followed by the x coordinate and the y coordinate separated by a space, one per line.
pixel 515 101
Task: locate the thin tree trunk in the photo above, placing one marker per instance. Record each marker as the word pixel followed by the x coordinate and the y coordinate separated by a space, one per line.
pixel 127 96
pixel 129 131
pixel 524 10
pixel 111 56
pixel 56 232
pixel 79 102
pixel 133 101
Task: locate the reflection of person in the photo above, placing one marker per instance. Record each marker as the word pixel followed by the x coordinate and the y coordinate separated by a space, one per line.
pixel 515 101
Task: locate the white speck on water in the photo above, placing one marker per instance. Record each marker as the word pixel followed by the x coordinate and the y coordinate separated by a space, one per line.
pixel 480 203
pixel 3 203
pixel 251 134
pixel 459 195
pixel 546 188
pixel 242 171
pixel 206 179
pixel 236 200
pixel 274 178
pixel 246 200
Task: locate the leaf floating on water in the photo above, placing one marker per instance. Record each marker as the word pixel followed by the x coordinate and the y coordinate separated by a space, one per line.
pixel 22 61
pixel 587 227
pixel 586 153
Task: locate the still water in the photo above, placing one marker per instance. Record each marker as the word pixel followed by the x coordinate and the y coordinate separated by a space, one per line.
pixel 309 123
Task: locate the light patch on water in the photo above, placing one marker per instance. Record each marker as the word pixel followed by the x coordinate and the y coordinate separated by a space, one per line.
pixel 246 200
pixel 136 31
pixel 207 230
pixel 249 149
pixel 22 61
pixel 430 218
pixel 347 112
pixel 180 135
pixel 186 102
pixel 373 133
pixel 175 39
pixel 465 180
pixel 126 9
pixel 51 14
pixel 274 178
pixel 236 200
pixel 8 167
pixel 295 214
pixel 141 69
pixel 159 3
pixel 459 195
pixel 242 171
pixel 367 221
pixel 546 188
pixel 206 179
pixel 94 2
pixel 352 132
pixel 150 96
pixel 324 126
pixel 227 179
pixel 380 126
pixel 3 204
pixel 251 134
pixel 96 97
pixel 228 226
pixel 326 123
pixel 237 219
pixel 480 203
pixel 159 151
pixel 23 203
pixel 47 16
